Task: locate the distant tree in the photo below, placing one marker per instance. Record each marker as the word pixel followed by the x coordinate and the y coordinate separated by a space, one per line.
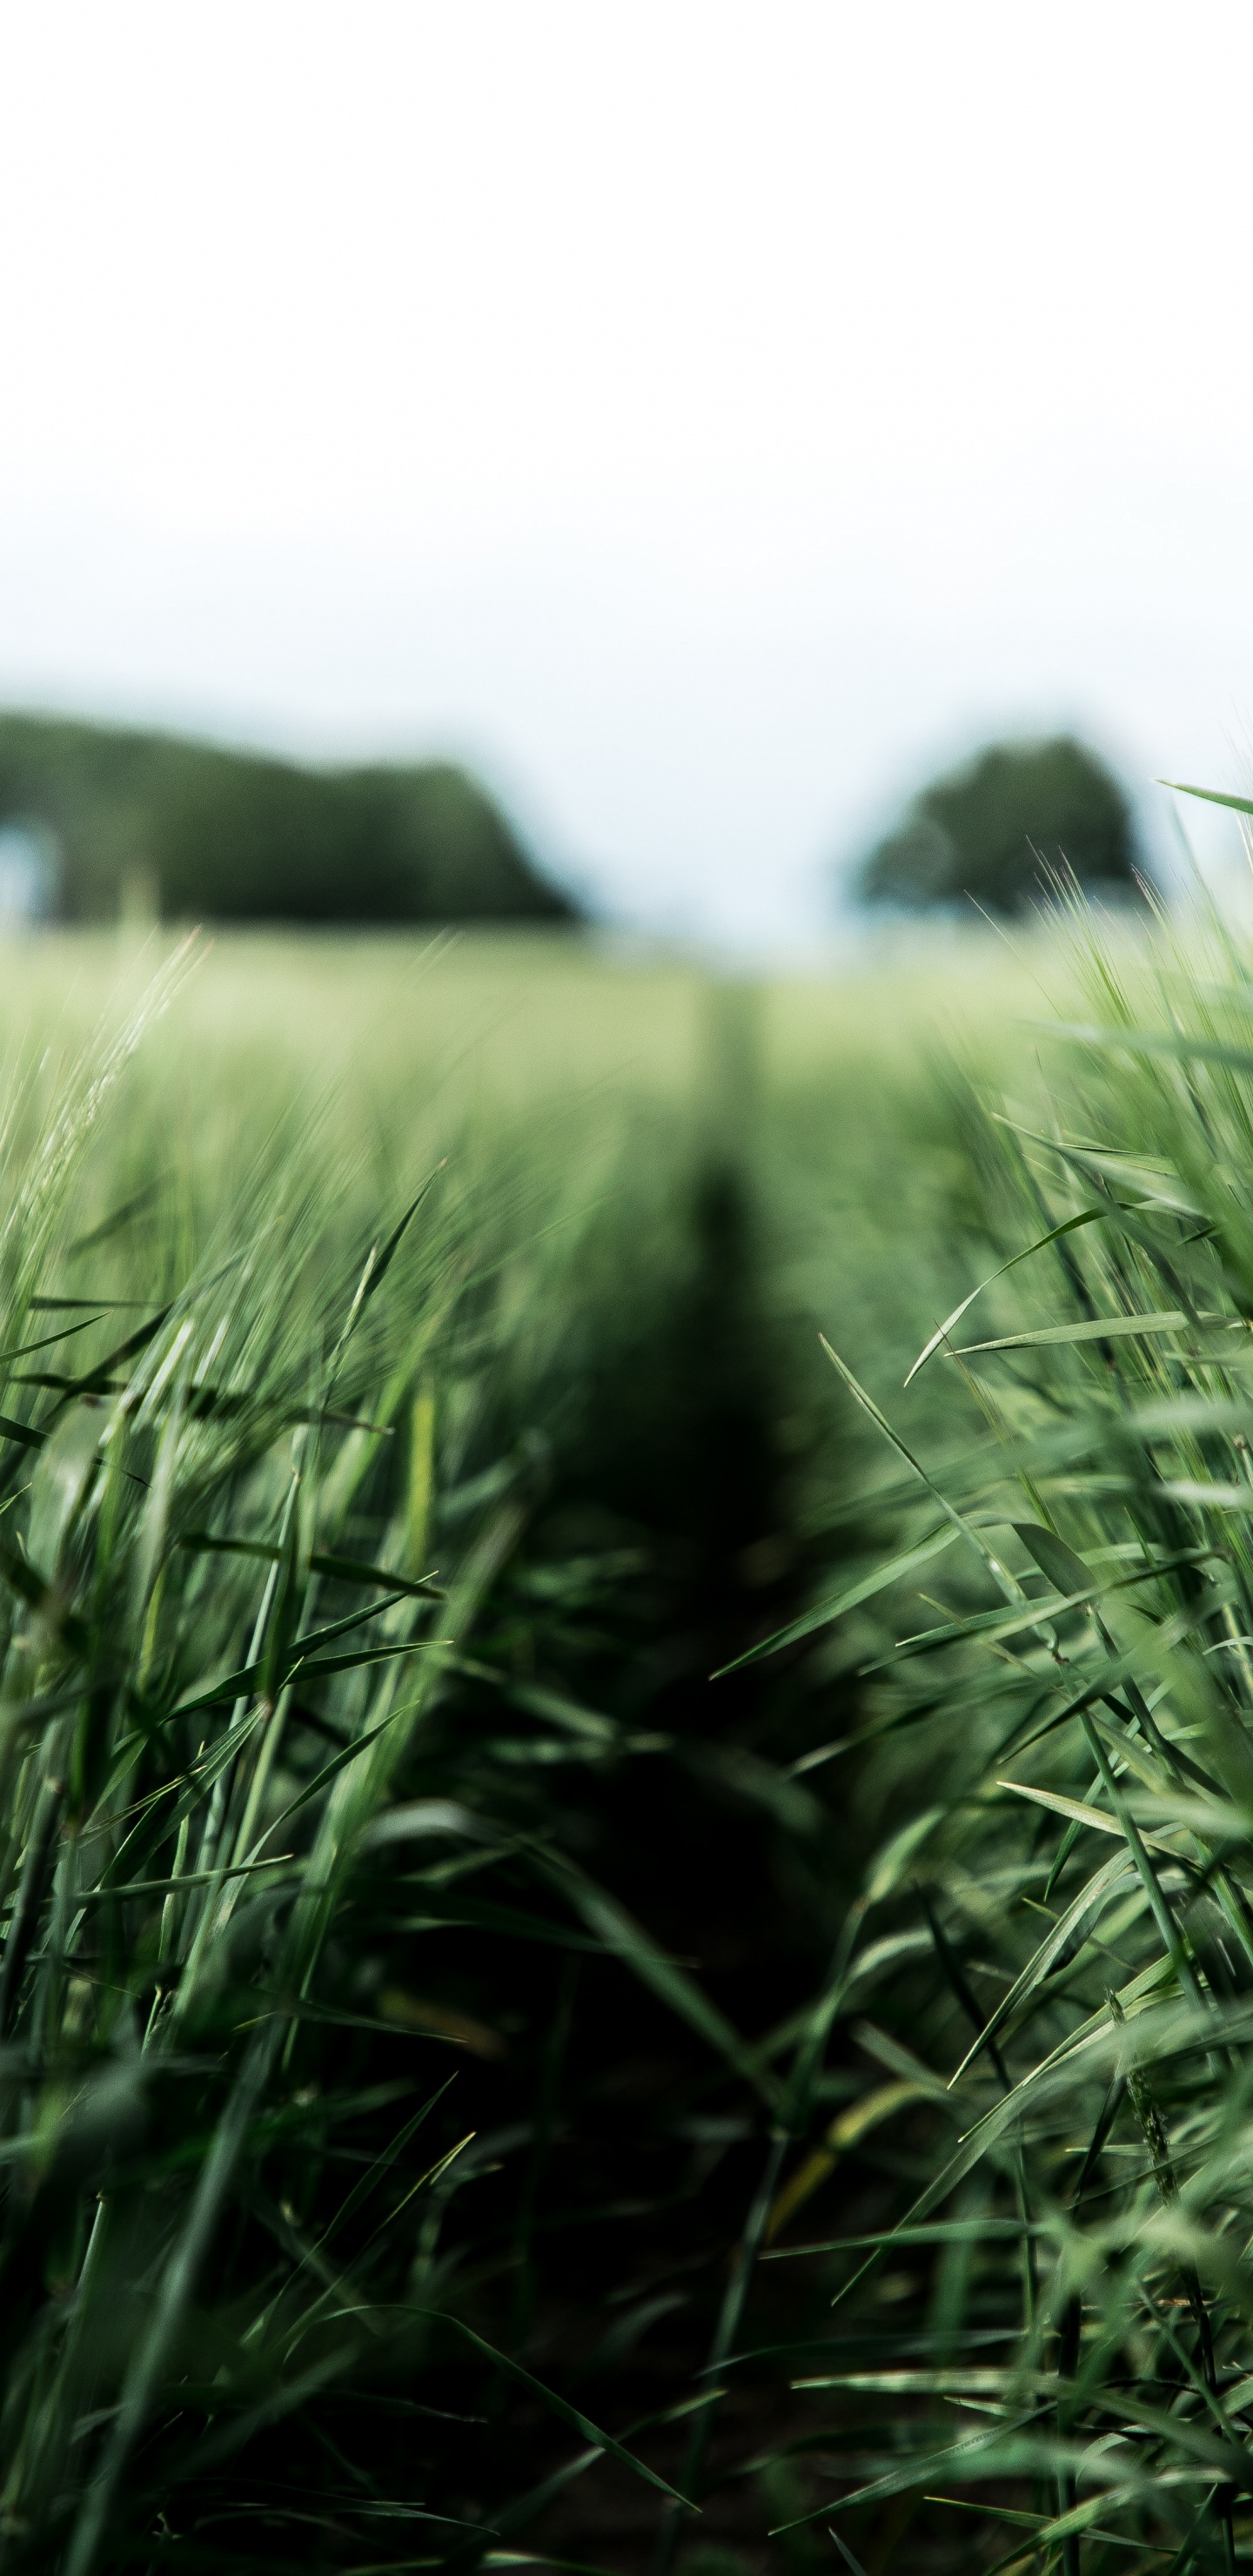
pixel 220 835
pixel 1000 826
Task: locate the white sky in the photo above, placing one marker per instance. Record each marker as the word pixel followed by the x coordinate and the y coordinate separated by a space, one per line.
pixel 707 417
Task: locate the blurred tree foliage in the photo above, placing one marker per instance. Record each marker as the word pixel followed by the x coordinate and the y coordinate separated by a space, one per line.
pixel 184 829
pixel 1003 826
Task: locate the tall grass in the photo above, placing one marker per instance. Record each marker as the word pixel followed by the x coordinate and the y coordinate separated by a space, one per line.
pixel 217 1643
pixel 426 1994
pixel 1041 2353
pixel 310 1543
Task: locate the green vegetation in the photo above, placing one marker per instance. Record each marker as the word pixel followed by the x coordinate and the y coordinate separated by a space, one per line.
pixel 1056 1746
pixel 1005 828
pixel 186 831
pixel 455 2052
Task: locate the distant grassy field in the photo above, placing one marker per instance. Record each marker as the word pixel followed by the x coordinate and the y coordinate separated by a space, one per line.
pixel 523 1007
pixel 427 1997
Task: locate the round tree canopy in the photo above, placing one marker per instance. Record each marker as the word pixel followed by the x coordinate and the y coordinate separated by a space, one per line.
pixel 1004 828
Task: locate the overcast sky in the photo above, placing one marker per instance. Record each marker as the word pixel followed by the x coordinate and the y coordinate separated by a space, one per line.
pixel 705 417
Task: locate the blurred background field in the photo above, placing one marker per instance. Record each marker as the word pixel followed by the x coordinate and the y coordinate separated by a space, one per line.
pixel 565 1074
pixel 516 1014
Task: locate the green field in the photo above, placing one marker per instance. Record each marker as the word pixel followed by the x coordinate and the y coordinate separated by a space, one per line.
pixel 431 2004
